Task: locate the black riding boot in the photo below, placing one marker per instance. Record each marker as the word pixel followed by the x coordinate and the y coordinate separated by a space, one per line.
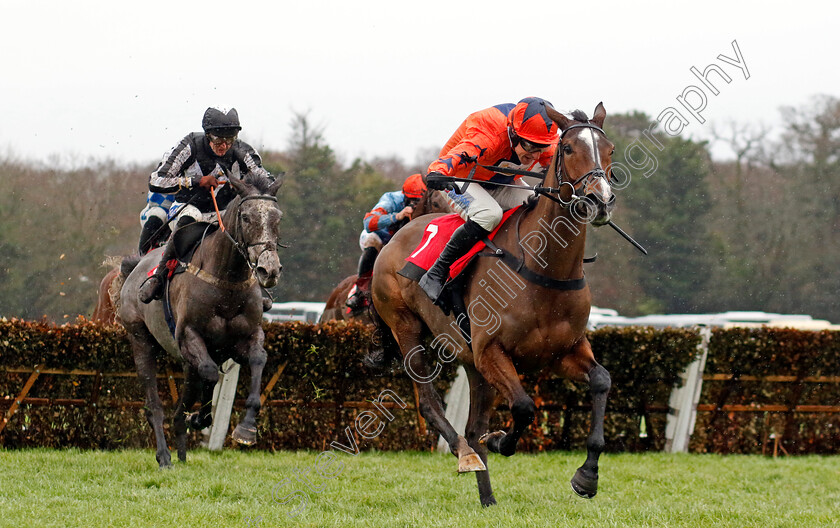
pixel 462 240
pixel 152 288
pixel 150 228
pixel 359 298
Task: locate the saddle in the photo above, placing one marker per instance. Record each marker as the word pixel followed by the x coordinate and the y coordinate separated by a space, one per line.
pixel 185 241
pixel 435 237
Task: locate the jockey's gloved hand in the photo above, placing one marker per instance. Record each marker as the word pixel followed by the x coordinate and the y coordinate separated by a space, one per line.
pixel 439 182
pixel 208 181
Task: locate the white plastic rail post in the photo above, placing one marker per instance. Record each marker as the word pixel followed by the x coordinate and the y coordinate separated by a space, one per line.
pixel 223 397
pixel 457 407
pixel 682 406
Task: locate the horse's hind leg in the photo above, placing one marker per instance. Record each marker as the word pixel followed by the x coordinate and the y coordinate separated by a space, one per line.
pixel 583 367
pixel 144 348
pixel 431 406
pixel 482 404
pixel 498 370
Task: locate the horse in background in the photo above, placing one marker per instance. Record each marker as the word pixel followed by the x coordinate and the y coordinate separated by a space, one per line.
pixel 527 302
pixel 335 310
pixel 105 312
pixel 216 310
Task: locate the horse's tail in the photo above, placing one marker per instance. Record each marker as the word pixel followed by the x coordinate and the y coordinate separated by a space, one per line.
pixel 126 265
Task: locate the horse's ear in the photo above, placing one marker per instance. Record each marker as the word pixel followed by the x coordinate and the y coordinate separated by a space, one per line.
pixel 600 115
pixel 274 187
pixel 562 121
pixel 238 185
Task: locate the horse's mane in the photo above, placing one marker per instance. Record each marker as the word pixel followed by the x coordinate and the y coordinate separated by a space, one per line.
pixel 580 115
pixel 260 183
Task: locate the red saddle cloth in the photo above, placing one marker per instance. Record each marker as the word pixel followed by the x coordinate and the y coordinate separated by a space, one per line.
pixel 438 233
pixel 170 266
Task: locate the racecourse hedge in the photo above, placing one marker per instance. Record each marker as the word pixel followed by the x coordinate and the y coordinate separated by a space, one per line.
pixel 315 398
pixel 762 353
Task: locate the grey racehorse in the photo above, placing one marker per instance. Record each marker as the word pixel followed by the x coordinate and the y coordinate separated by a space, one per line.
pixel 217 311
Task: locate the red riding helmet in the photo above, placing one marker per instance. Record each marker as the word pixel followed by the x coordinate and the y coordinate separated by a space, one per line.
pixel 414 186
pixel 530 121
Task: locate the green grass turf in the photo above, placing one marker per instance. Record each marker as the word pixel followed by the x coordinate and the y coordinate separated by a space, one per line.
pixel 70 488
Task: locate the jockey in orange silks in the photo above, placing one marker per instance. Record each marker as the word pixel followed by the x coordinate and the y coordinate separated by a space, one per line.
pixel 518 136
pixel 391 212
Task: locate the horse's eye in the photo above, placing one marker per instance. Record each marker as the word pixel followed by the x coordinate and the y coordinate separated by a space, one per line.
pixel 567 149
pixel 612 152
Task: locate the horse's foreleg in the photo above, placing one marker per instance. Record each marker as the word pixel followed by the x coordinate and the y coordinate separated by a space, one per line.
pixel 482 404
pixel 204 417
pixel 194 352
pixel 431 406
pixel 497 368
pixel 144 347
pixel 582 366
pixel 246 431
pixel 585 481
pixel 185 402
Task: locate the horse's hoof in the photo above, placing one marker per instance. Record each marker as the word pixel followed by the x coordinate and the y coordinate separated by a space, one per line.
pixel 584 486
pixel 493 440
pixel 489 501
pixel 164 460
pixel 470 462
pixel 245 435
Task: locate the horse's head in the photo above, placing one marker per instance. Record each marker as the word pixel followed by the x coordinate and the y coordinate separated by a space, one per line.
pixel 255 226
pixel 584 155
pixel 431 201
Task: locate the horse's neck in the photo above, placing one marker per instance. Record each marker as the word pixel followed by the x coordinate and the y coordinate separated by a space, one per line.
pixel 218 256
pixel 557 241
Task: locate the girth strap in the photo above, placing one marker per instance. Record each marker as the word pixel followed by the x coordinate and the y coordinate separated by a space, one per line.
pixel 221 283
pixel 518 265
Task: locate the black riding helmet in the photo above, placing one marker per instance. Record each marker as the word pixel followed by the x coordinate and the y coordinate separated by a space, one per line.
pixel 221 123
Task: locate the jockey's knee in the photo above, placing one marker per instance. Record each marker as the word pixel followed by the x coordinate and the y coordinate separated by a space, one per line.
pixel 188 214
pixel 152 213
pixel 185 220
pixel 488 219
pixel 370 240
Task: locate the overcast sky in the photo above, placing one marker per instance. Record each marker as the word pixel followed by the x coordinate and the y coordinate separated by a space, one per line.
pixel 127 80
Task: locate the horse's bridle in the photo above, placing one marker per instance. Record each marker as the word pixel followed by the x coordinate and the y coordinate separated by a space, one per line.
pixel 581 184
pixel 241 246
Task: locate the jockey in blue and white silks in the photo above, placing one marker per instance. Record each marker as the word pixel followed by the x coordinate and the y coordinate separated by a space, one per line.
pixel 152 218
pixel 391 212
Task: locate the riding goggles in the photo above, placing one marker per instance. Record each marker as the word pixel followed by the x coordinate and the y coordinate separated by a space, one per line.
pixel 218 140
pixel 531 147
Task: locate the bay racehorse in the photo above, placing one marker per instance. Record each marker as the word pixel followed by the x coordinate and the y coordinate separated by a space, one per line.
pixel 105 312
pixel 528 307
pixel 431 201
pixel 216 307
